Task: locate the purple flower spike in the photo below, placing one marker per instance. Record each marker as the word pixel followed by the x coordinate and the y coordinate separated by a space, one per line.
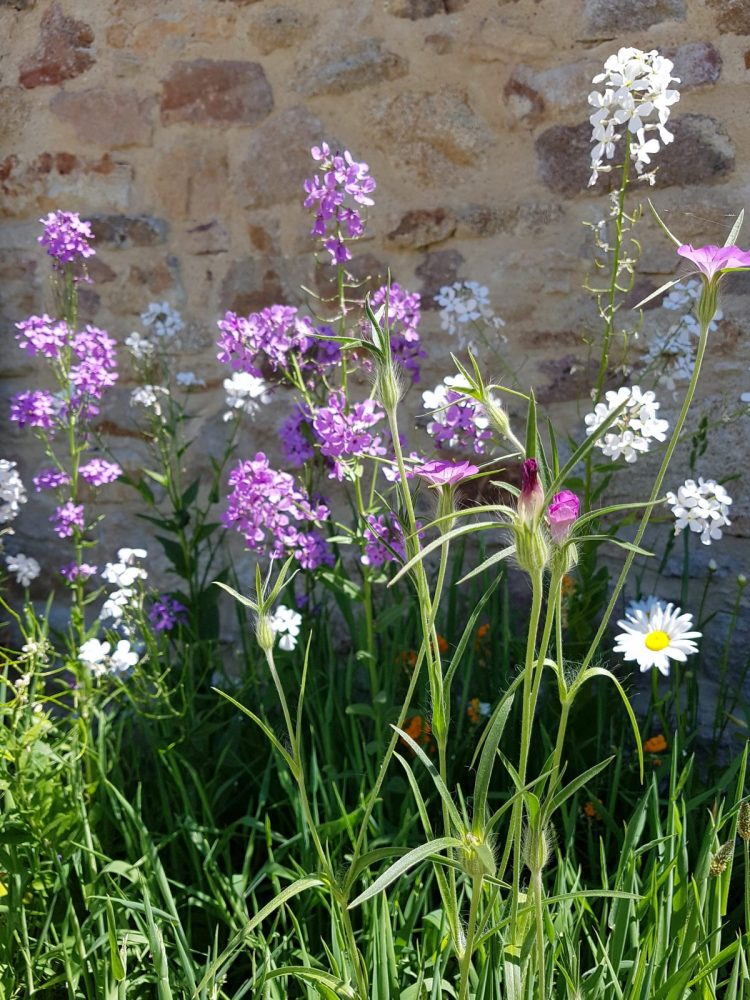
pixel 711 260
pixel 448 474
pixel 532 495
pixel 67 518
pixel 166 612
pixel 562 512
pixel 66 237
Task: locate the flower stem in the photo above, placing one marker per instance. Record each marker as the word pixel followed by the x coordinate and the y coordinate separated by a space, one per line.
pixel 465 965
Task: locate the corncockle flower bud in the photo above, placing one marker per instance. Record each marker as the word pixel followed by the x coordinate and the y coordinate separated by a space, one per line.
pixel 562 513
pixel 531 500
pixel 498 418
pixel 388 386
pixel 741 580
pixel 265 633
pixel 477 857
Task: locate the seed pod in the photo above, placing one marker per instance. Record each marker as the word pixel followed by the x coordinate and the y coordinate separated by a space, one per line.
pixel 743 821
pixel 720 860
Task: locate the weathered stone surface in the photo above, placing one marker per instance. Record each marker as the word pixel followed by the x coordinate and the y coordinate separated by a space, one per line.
pixel 51 179
pixel 529 92
pixel 568 375
pixel 423 227
pixel 18 4
pixel 99 272
pixel 702 152
pixel 191 180
pixel 732 16
pixel 278 158
pixel 441 43
pixel 63 50
pixel 432 131
pixel 216 91
pixel 250 285
pixel 127 231
pixel 281 26
pixel 563 160
pixel 438 268
pixel 206 238
pixel 609 18
pixel 489 220
pixel 696 64
pixel 112 118
pixel 416 9
pixel 14 112
pixel 156 278
pixel 341 67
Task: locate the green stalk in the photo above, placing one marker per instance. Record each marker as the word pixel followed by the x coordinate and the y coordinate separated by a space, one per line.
pixel 536 887
pixel 465 965
pixel 705 321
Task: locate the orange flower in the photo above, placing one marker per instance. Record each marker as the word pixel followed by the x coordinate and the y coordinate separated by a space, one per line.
pixel 590 810
pixel 656 744
pixel 483 630
pixel 442 643
pixel 568 585
pixel 408 659
pixel 473 712
pixel 420 731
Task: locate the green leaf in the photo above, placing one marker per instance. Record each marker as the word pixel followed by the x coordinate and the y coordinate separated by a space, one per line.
pixel 237 596
pixel 445 795
pixel 486 763
pixel 663 226
pixel 402 866
pixel 731 240
pixel 531 431
pixel 602 672
pixel 291 764
pixel 443 540
pixel 190 494
pixel 158 477
pixel 583 779
pixel 118 969
pixel 315 976
pixel 491 561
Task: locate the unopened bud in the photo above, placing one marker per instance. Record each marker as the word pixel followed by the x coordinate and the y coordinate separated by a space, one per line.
pixel 531 500
pixel 477 857
pixel 562 514
pixel 264 633
pixel 532 549
pixel 497 417
pixel 537 848
pixel 388 385
pixel 741 580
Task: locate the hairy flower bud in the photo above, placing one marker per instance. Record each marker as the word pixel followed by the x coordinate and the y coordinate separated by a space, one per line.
pixel 537 847
pixel 531 500
pixel 477 856
pixel 265 633
pixel 562 514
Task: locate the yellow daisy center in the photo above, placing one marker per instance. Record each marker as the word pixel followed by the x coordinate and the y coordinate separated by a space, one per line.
pixel 657 640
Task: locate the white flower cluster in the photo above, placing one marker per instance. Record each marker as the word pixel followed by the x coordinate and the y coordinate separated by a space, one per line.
pixel 149 397
pixel 140 347
pixel 245 393
pixel 123 574
pixel 12 492
pixel 162 320
pixel 637 425
pixel 462 303
pixel 636 95
pixel 286 625
pixel 672 352
pixel 702 507
pixel 101 659
pixel 25 568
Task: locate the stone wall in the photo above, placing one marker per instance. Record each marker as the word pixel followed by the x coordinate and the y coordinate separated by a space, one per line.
pixel 182 128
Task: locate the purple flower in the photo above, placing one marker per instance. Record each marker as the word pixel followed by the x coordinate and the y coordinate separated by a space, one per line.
pixel 404 313
pixel 95 351
pixel 562 513
pixel 312 550
pixel 297 437
pixel 266 507
pixel 344 432
pixel 166 612
pixel 712 260
pixel 447 474
pixel 50 479
pixel 34 408
pixel 384 540
pixel 269 335
pixel 43 335
pixel 99 472
pixel 457 421
pixel 67 518
pixel 342 177
pixel 532 495
pixel 66 237
pixel 73 572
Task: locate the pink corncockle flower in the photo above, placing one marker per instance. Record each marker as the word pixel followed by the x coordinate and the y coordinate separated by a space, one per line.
pixel 562 513
pixel 531 500
pixel 439 473
pixel 712 261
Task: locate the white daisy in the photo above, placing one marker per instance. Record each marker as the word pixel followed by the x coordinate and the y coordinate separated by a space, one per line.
pixel 656 638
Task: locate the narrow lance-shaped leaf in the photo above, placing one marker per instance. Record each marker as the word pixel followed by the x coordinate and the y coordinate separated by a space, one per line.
pixel 403 865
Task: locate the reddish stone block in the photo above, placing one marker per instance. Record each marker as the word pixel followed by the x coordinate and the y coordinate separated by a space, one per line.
pixel 107 117
pixel 212 91
pixel 63 51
